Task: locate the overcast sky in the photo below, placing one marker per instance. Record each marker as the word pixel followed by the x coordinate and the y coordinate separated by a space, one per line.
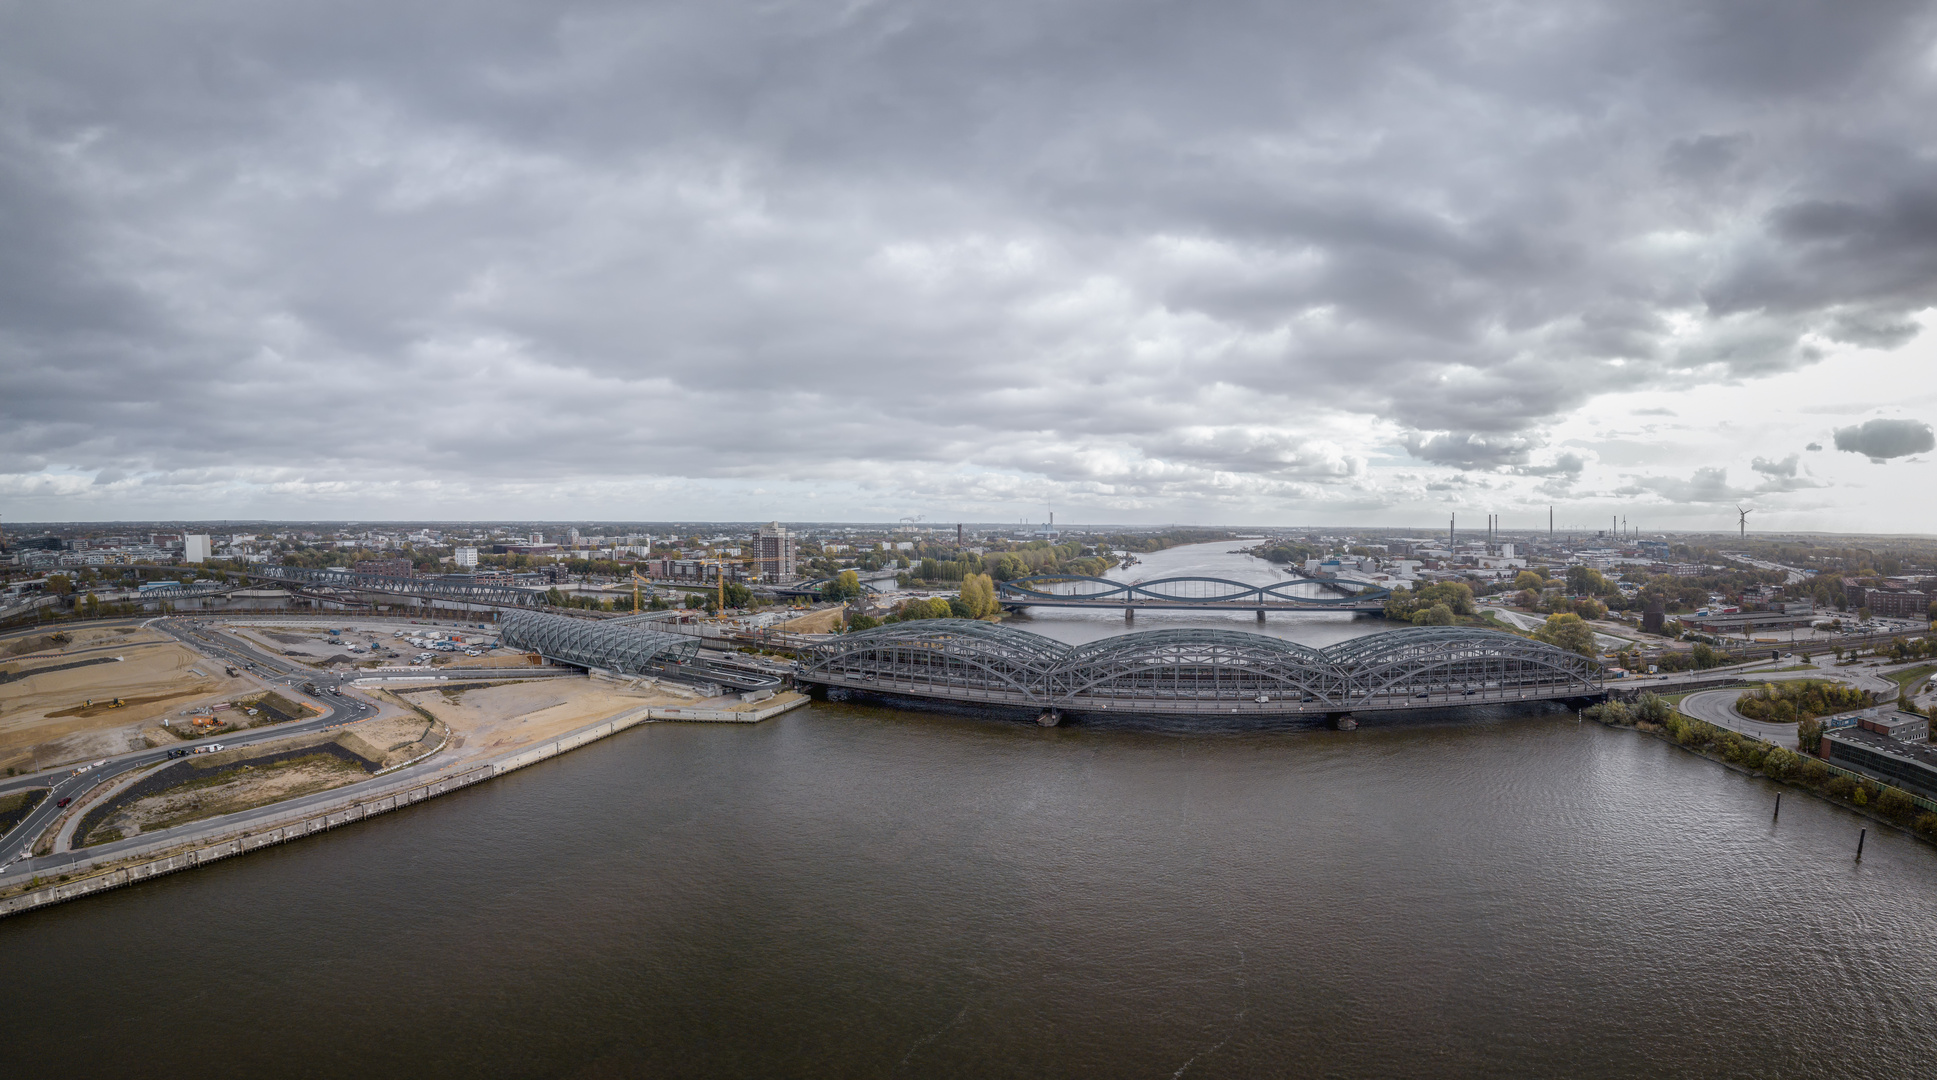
pixel 1354 262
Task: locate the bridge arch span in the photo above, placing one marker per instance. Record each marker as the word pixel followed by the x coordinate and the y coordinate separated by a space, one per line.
pixel 1198 670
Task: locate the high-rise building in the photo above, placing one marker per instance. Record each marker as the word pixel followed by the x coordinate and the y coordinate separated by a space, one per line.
pixel 196 547
pixel 466 556
pixel 773 553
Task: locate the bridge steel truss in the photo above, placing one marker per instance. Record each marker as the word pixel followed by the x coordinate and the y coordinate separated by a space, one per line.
pixel 1180 593
pixel 483 595
pixel 625 650
pixel 1198 670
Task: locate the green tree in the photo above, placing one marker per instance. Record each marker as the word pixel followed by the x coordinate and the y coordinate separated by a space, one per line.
pixel 1437 615
pixel 1653 708
pixel 845 586
pixel 737 595
pixel 978 592
pixel 1588 581
pixel 1809 735
pixel 1567 631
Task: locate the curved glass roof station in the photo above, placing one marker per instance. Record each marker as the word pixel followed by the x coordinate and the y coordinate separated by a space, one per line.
pixel 1198 670
pixel 590 644
pixel 963 659
pixel 1194 665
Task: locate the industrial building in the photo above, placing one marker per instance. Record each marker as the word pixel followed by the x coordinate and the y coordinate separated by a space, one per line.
pixel 1891 748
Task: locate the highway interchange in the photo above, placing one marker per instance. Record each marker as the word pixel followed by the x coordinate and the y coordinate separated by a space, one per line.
pixel 16 845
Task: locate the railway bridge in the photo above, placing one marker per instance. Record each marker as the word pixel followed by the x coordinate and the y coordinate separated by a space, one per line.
pixel 1197 671
pixel 1184 594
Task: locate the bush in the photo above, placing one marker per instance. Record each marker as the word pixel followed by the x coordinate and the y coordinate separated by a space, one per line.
pixel 1862 796
pixel 1840 786
pixel 1610 712
pixel 1803 698
pixel 1926 825
pixel 1779 762
pixel 1653 708
pixel 1895 804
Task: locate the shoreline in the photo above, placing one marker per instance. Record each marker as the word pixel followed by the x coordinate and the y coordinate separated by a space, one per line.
pixel 172 855
pixel 1661 734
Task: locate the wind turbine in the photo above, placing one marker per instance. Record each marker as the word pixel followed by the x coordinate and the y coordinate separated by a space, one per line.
pixel 1744 523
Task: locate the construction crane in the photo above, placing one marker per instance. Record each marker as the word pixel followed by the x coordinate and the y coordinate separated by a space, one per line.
pixel 636 581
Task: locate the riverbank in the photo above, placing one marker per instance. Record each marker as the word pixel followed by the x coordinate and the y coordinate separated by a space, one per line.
pixel 1889 807
pixel 172 854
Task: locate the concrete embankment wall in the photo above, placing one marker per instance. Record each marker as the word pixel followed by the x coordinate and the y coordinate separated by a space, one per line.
pixel 181 853
pixel 168 855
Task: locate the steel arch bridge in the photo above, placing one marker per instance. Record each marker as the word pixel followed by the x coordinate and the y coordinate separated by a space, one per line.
pixel 1180 594
pixel 1198 671
pixel 503 596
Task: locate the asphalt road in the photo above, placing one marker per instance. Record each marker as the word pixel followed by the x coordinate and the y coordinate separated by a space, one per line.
pixel 1718 706
pixel 15 846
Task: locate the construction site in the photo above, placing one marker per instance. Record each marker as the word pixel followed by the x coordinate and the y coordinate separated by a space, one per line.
pixel 119 737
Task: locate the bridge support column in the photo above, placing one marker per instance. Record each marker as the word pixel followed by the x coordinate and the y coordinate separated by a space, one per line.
pixel 1129 614
pixel 1260 614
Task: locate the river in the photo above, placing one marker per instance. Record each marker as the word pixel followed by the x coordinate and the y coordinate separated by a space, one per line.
pixel 854 891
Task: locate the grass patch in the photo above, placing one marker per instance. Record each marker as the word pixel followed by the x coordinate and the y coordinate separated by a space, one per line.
pixel 1909 676
pixel 15 807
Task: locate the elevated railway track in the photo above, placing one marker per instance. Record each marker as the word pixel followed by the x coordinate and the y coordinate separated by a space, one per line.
pixel 1185 594
pixel 1197 671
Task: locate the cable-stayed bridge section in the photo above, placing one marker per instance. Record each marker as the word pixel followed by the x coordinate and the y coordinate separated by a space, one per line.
pixel 1198 671
pixel 1184 594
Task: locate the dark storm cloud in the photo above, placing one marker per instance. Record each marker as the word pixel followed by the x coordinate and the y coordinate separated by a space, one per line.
pixel 1128 245
pixel 1884 438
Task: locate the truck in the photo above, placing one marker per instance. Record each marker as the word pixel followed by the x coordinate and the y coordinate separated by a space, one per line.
pixel 209 749
pixel 232 672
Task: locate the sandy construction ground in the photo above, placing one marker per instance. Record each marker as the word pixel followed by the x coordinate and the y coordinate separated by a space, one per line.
pixel 820 622
pixel 243 791
pixel 43 718
pixel 488 722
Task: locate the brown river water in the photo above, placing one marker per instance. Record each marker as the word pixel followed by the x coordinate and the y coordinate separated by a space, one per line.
pixel 850 890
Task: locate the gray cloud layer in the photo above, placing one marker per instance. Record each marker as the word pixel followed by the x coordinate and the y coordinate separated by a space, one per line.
pixel 1886 438
pixel 1146 255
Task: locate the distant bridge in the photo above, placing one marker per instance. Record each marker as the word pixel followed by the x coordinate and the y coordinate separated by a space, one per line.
pixel 500 596
pixel 1181 594
pixel 870 581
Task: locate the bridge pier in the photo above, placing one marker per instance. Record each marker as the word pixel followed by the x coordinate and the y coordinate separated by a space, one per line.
pixel 1129 614
pixel 1260 614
